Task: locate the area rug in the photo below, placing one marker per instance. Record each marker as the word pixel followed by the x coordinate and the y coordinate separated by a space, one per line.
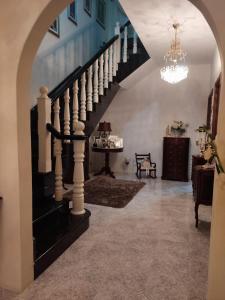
pixel 107 191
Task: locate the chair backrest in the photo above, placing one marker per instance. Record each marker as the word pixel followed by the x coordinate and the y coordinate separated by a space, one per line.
pixel 141 157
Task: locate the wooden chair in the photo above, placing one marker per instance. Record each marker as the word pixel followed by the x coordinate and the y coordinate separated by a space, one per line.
pixel 144 164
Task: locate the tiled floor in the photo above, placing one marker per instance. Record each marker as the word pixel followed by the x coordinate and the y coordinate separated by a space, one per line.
pixel 149 250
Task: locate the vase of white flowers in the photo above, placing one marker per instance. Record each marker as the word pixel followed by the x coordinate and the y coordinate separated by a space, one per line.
pixel 178 128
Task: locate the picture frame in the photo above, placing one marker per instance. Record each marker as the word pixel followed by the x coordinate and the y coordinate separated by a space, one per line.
pixel 213 108
pixel 101 12
pixel 54 28
pixel 72 12
pixel 88 7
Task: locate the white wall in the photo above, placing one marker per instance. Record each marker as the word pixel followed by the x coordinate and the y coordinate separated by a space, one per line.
pixel 215 67
pixel 141 112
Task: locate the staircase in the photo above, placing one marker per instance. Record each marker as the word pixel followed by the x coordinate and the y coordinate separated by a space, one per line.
pixel 61 125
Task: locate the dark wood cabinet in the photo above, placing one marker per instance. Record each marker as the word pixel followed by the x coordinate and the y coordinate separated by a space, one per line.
pixel 175 158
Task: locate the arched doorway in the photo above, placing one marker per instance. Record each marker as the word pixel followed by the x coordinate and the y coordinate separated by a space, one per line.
pixel 32 32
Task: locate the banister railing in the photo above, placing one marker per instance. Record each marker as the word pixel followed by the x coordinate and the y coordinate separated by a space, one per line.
pixel 68 81
pixel 76 95
pixel 56 134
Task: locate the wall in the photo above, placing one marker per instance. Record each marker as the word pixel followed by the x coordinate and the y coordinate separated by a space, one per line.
pixel 215 67
pixel 57 57
pixel 143 109
pixel 16 269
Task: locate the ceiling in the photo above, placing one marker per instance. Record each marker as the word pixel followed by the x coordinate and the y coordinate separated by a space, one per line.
pixel 152 19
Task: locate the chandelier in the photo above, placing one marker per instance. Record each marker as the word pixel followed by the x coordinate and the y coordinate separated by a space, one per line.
pixel 175 69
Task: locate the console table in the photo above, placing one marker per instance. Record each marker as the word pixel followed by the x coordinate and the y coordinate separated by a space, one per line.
pixel 203 179
pixel 106 169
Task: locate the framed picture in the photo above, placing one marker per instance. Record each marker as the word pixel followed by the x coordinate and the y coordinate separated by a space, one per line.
pixel 54 28
pixel 101 12
pixel 88 6
pixel 213 108
pixel 72 12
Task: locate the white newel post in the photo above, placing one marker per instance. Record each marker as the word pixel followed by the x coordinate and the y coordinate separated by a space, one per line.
pixel 135 43
pixel 89 90
pixel 118 51
pixel 101 74
pixel 106 69
pixel 58 155
pixel 114 58
pixel 83 98
pixel 95 96
pixel 44 137
pixel 67 114
pixel 110 64
pixel 125 46
pixel 75 103
pixel 78 176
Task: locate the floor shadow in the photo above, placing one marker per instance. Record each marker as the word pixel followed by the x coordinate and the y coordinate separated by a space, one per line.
pixel 204 227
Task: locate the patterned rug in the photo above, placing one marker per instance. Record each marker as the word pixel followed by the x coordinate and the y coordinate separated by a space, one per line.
pixel 107 191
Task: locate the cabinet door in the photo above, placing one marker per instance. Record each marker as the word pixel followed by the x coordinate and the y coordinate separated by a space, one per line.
pixel 175 158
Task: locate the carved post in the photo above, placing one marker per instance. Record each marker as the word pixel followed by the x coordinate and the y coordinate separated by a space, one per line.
pixel 135 43
pixel 89 90
pixel 106 69
pixel 75 103
pixel 78 177
pixel 101 75
pixel 67 114
pixel 110 64
pixel 125 46
pixel 44 137
pixel 58 156
pixel 95 96
pixel 83 98
pixel 114 59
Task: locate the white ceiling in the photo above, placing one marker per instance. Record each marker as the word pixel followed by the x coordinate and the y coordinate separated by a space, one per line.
pixel 152 19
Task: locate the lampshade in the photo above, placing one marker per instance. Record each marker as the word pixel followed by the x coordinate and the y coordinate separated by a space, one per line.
pixel 104 126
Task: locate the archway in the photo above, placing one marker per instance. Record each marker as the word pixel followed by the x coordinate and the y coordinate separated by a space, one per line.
pixel 43 14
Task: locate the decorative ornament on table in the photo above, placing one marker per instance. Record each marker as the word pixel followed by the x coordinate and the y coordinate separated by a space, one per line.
pixel 211 154
pixel 178 128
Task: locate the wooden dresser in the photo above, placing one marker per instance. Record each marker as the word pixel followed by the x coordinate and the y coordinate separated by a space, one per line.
pixel 175 158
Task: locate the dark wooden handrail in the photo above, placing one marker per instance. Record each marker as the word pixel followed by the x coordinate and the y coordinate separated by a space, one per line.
pixel 59 136
pixel 69 80
pixel 125 25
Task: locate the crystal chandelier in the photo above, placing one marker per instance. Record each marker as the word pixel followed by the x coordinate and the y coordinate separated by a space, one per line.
pixel 175 68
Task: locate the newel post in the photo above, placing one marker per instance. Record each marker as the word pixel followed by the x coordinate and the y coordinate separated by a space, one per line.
pixel 44 137
pixel 78 175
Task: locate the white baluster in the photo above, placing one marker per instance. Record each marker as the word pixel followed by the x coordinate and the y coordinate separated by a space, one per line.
pixel 114 58
pixel 101 75
pixel 44 137
pixel 125 46
pixel 75 103
pixel 135 43
pixel 83 98
pixel 67 114
pixel 90 90
pixel 110 64
pixel 118 42
pixel 56 109
pixel 78 177
pixel 106 69
pixel 58 155
pixel 95 96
